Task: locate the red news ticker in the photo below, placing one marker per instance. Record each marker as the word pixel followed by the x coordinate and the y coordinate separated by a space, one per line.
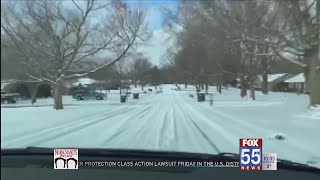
pixel 250 142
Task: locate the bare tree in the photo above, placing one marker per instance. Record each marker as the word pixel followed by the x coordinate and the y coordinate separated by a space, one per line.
pixel 303 17
pixel 53 40
pixel 140 67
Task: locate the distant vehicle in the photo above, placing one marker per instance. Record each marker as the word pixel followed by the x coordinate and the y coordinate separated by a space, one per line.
pixel 9 98
pixel 81 94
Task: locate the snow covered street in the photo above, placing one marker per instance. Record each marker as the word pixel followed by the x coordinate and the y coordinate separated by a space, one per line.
pixel 171 121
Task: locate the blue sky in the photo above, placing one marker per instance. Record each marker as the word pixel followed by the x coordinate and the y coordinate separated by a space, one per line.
pixel 156 47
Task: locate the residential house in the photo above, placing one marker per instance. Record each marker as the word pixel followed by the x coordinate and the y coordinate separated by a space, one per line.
pixel 275 82
pixel 25 89
pixel 297 83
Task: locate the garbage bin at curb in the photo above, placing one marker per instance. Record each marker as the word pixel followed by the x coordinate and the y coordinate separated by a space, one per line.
pixel 201 96
pixel 211 98
pixel 123 98
pixel 135 95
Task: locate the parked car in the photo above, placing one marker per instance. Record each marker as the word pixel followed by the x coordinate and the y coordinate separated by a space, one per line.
pixel 9 98
pixel 82 94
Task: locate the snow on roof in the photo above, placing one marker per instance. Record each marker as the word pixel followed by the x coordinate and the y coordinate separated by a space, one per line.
pixel 272 77
pixel 296 79
pixel 4 83
pixel 85 81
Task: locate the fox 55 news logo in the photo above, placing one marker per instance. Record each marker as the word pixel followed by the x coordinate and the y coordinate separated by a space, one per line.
pixel 250 154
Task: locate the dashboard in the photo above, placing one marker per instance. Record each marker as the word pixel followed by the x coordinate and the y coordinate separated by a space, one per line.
pixel 41 167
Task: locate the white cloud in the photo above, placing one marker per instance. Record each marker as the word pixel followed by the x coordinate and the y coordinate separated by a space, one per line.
pixel 156 46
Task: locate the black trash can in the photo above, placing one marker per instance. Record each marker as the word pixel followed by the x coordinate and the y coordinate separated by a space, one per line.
pixel 123 98
pixel 201 97
pixel 135 95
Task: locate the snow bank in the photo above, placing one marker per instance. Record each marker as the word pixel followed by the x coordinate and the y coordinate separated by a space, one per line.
pixel 313 113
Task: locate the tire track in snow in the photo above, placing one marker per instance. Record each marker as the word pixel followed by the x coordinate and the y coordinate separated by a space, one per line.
pixel 167 126
pixel 105 119
pixel 97 136
pixel 201 135
pixel 56 132
pixel 61 130
pixel 124 127
pixel 132 127
pixel 144 133
pixel 69 122
pixel 187 137
pixel 205 126
pixel 59 124
pixel 167 129
pixel 175 127
pixel 204 135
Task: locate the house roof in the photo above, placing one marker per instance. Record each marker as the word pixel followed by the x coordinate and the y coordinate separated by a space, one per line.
pixel 4 83
pixel 296 79
pixel 282 66
pixel 85 81
pixel 275 77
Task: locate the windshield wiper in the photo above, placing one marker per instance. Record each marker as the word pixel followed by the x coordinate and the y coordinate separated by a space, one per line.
pixel 126 153
pixel 290 165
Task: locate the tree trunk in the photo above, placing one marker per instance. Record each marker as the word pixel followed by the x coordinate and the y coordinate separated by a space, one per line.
pixel 265 83
pixel 34 94
pixel 314 84
pixel 307 74
pixel 141 87
pixel 57 96
pixel 252 91
pixel 202 86
pixel 226 86
pixel 135 83
pixel 315 68
pixel 243 85
pixel 185 85
pixel 206 88
pixel 220 84
pixel 198 88
pixel 33 89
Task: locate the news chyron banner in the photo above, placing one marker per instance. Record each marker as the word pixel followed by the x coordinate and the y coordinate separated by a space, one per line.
pixel 252 157
pixel 69 159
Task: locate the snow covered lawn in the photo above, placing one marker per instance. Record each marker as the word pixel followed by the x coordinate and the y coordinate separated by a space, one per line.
pixel 171 120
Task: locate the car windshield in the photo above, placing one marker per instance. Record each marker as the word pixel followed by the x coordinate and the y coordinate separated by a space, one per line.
pixel 174 75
